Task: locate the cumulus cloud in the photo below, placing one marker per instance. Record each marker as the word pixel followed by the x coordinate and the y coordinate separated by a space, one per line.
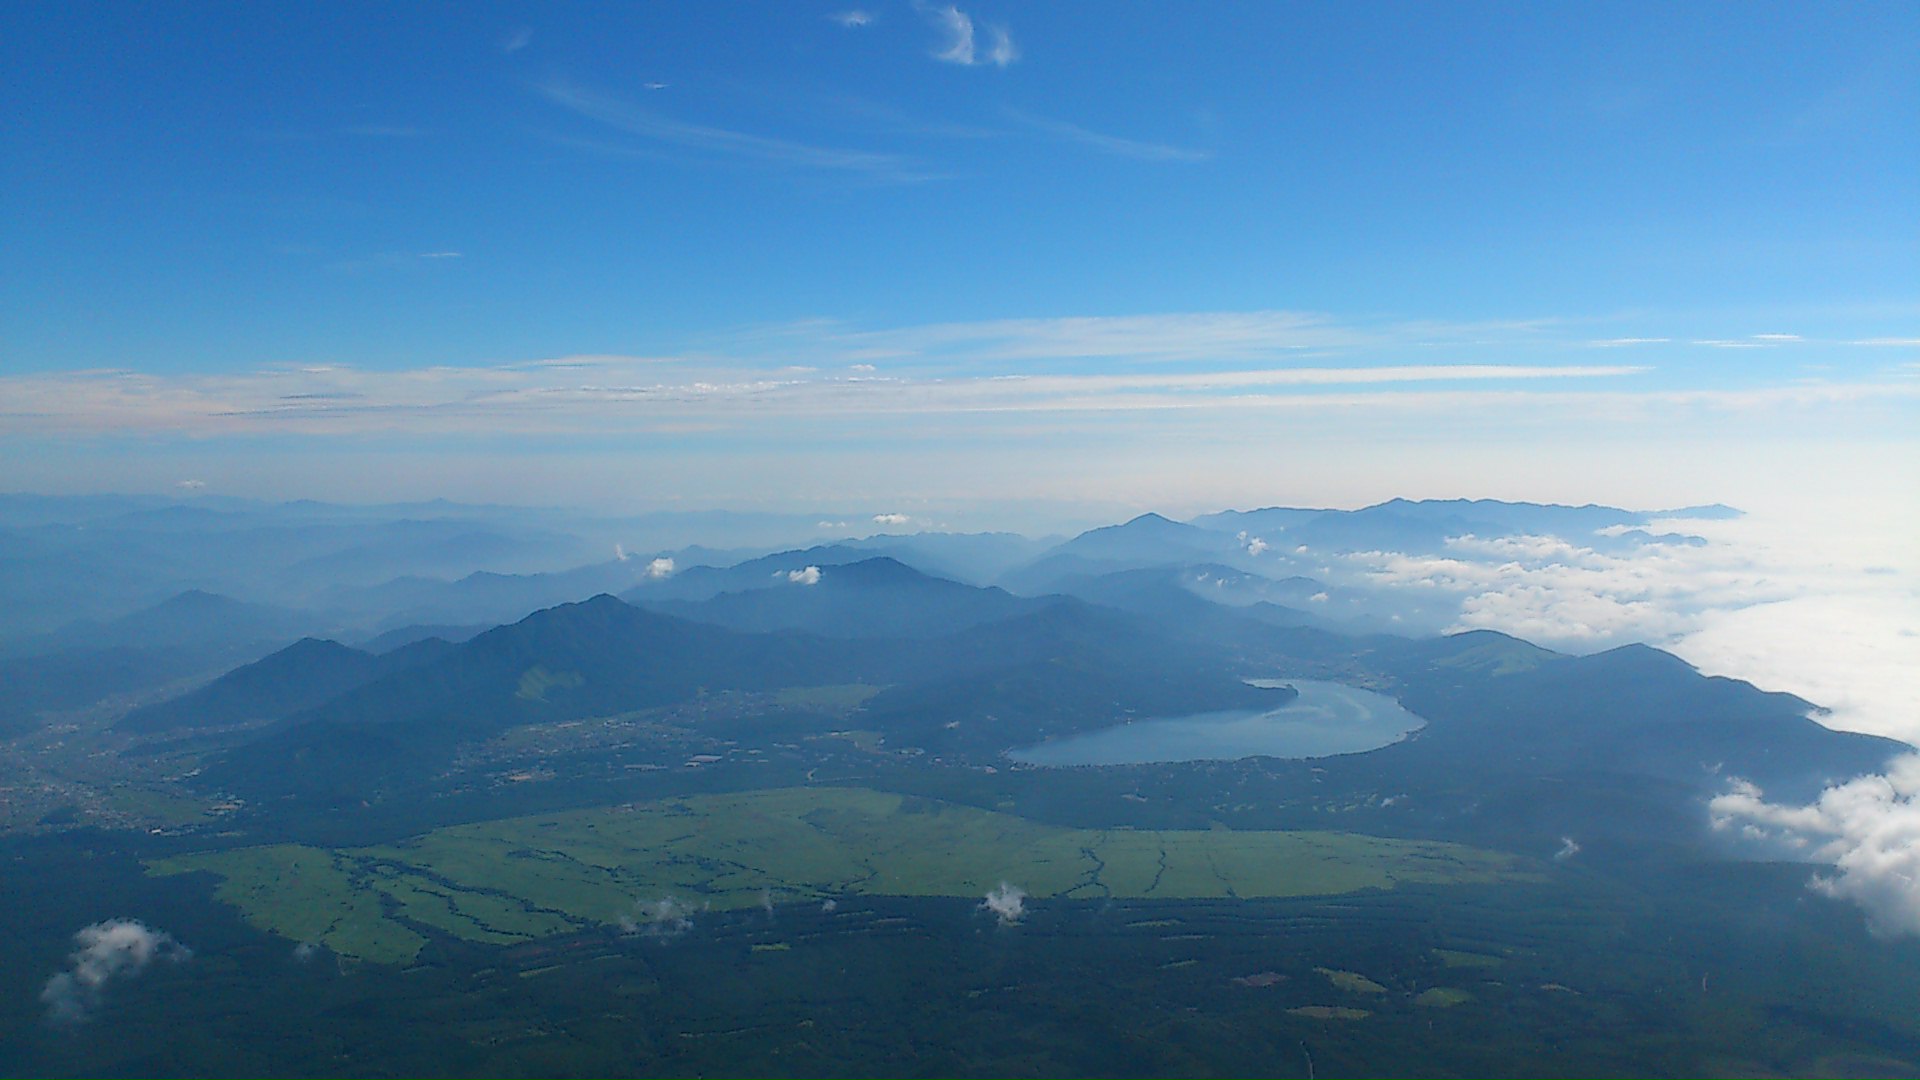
pixel 1253 544
pixel 891 519
pixel 305 951
pixel 191 485
pixel 1868 829
pixel 667 917
pixel 660 567
pixel 808 576
pixel 1007 902
pixel 104 952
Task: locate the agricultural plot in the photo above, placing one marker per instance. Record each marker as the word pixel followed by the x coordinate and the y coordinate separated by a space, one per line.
pixel 647 865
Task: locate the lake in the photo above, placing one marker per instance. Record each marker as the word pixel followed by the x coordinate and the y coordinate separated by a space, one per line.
pixel 1327 718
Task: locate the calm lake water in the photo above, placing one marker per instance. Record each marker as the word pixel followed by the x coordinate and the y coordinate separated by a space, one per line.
pixel 1327 718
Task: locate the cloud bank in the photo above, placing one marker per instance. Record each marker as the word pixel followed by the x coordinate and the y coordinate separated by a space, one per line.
pixel 114 950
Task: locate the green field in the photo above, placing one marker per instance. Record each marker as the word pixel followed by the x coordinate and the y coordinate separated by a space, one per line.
pixel 652 863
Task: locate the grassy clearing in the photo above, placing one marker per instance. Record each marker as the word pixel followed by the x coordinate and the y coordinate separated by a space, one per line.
pixel 1330 1012
pixel 1352 981
pixel 529 877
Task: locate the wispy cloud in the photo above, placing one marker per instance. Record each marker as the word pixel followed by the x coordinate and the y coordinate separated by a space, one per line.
pixel 1751 341
pixel 959 47
pixel 627 392
pixel 1198 336
pixel 1001 50
pixel 647 124
pixel 517 40
pixel 1625 342
pixel 442 255
pixel 1107 144
pixel 796 374
pixel 852 18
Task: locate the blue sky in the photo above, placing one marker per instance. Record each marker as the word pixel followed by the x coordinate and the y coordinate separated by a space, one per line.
pixel 974 256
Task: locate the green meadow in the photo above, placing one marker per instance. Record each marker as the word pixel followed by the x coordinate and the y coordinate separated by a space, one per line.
pixel 524 878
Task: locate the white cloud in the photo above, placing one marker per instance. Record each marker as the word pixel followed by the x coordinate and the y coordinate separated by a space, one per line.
pixel 1001 50
pixel 808 576
pixel 660 568
pixel 1867 828
pixel 442 255
pixel 1623 342
pixel 191 485
pixel 891 519
pixel 1007 902
pixel 667 917
pixel 959 47
pixel 1569 847
pixel 958 27
pixel 1778 337
pixel 852 18
pixel 517 40
pixel 106 951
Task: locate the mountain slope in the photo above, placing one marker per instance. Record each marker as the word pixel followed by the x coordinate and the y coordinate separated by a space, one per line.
pixel 300 676
pixel 874 598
